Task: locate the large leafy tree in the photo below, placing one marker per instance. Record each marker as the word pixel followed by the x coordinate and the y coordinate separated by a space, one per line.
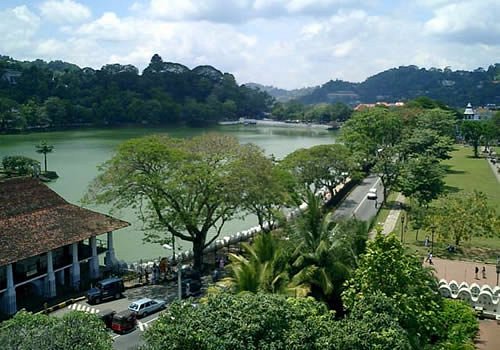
pixel 423 179
pixel 75 330
pixel 387 269
pixel 461 216
pixel 244 321
pixel 183 187
pixel 473 131
pixel 320 167
pixel 255 172
pixel 370 130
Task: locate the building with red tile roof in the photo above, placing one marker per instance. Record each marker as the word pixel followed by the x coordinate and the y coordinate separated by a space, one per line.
pixel 44 240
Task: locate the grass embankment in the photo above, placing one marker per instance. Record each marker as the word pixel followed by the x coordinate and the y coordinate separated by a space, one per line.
pixel 464 174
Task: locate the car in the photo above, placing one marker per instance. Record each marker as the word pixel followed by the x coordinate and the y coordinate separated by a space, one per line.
pixel 372 193
pixel 146 306
pixel 108 288
pixel 106 316
pixel 124 321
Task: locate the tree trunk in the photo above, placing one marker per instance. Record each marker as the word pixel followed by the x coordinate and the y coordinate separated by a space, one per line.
pixel 45 161
pixel 198 245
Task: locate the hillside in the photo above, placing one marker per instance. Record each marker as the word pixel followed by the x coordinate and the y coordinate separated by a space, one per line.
pixel 282 95
pixel 41 95
pixel 455 88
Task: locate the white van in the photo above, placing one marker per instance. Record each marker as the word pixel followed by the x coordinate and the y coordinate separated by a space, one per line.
pixel 372 193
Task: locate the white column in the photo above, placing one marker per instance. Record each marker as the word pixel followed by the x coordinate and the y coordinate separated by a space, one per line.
pixel 9 304
pixel 75 267
pixel 94 260
pixel 110 254
pixel 50 280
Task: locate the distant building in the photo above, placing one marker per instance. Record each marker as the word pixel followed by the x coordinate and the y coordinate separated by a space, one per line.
pixel 47 244
pixel 385 104
pixel 470 113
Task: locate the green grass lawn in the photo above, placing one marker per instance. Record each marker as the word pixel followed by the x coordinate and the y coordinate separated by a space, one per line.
pixel 464 173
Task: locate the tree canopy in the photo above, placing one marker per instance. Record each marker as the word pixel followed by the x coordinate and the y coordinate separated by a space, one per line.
pixel 184 187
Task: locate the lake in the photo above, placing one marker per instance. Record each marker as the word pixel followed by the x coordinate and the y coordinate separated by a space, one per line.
pixel 77 154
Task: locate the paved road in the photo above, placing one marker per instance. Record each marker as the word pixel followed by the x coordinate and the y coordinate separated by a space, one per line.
pixel 133 339
pixel 357 205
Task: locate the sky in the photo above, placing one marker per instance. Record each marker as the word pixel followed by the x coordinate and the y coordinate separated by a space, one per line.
pixel 287 44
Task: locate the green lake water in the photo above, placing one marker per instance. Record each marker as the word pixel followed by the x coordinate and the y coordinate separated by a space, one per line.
pixel 78 153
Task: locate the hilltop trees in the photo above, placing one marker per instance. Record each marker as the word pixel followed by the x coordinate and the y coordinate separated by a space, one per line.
pixel 58 95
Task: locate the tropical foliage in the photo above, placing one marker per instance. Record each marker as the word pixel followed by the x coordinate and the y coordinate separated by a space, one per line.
pixel 75 330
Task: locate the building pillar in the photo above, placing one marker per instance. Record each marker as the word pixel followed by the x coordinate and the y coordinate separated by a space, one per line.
pixel 60 277
pixel 50 280
pixel 9 304
pixel 94 260
pixel 75 267
pixel 110 254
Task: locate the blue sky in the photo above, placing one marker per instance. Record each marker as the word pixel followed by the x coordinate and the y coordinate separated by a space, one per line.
pixel 288 44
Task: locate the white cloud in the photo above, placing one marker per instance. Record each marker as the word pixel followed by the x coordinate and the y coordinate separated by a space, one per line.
pixel 467 22
pixel 64 11
pixel 18 27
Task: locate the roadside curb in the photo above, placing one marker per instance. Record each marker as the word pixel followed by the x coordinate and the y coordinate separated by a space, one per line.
pixel 61 305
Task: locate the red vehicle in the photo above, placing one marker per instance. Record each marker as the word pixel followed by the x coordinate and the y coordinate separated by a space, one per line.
pixel 124 321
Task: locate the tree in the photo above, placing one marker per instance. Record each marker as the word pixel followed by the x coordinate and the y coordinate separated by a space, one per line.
pixel 264 188
pixel 372 129
pixel 265 269
pixel 461 216
pixel 184 187
pixel 75 330
pixel 472 131
pixel 243 322
pixel 314 259
pixel 44 148
pixel 426 142
pixel 388 167
pixel 20 165
pixel 422 179
pixel 387 269
pixel 320 167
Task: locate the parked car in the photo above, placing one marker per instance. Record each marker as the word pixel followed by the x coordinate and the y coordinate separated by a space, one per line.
pixel 146 306
pixel 372 193
pixel 106 316
pixel 106 289
pixel 124 321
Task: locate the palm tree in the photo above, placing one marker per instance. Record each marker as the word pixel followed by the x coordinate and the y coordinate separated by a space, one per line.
pixel 265 269
pixel 44 148
pixel 315 260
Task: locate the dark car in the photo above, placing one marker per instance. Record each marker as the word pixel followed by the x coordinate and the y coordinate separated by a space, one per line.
pixel 106 289
pixel 124 321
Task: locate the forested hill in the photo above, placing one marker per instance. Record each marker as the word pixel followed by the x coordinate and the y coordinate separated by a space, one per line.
pixel 59 94
pixel 455 88
pixel 282 95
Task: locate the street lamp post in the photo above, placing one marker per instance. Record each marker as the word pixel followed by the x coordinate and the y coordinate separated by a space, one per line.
pixel 432 239
pixel 402 226
pixel 179 277
pixel 498 268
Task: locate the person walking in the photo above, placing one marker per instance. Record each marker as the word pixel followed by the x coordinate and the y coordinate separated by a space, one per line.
pixel 477 271
pixel 429 258
pixel 484 271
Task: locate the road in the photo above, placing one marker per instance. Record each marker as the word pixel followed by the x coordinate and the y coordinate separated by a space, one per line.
pixel 357 205
pixel 133 339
